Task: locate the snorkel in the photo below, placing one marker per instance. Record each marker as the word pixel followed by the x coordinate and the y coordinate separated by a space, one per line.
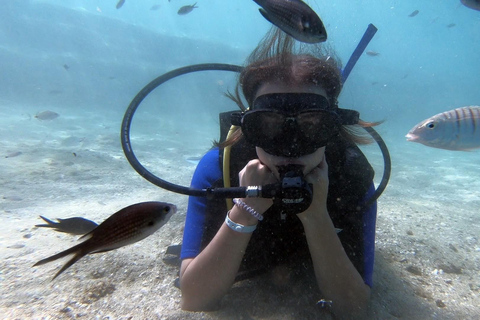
pixel 292 192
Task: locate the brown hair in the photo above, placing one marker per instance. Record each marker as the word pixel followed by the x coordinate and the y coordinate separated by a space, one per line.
pixel 279 58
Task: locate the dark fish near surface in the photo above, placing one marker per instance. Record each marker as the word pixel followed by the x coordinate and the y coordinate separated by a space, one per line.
pixel 457 129
pixel 295 18
pixel 75 225
pixel 451 25
pixel 127 226
pixel 187 9
pixel 372 53
pixel 46 115
pixel 155 7
pixel 120 4
pixel 414 13
pixel 472 4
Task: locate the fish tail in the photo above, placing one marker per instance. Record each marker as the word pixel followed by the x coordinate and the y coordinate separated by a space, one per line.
pixel 75 249
pixel 79 253
pixel 50 224
pixel 70 262
pixel 45 225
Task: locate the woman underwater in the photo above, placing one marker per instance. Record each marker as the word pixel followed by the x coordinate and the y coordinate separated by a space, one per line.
pixel 292 119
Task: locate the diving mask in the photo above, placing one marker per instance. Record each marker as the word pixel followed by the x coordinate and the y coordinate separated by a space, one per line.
pixel 291 124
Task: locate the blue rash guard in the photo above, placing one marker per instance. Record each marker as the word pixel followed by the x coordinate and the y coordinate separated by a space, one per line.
pixel 208 172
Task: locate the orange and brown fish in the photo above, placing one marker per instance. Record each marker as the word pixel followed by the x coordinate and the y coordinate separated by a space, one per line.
pixel 127 226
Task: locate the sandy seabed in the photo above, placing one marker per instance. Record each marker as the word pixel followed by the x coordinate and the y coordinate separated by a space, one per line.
pixel 427 249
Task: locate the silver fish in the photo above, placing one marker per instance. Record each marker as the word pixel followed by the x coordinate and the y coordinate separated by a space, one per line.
pixel 13 154
pixel 295 18
pixel 457 129
pixel 472 4
pixel 127 226
pixel 187 9
pixel 75 225
pixel 46 115
pixel 194 159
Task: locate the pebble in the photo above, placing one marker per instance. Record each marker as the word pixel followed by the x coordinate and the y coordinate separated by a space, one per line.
pixel 440 303
pixel 415 270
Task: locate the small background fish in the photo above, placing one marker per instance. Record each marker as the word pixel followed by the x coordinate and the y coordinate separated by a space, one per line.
pixel 457 129
pixel 47 115
pixel 75 225
pixel 414 13
pixel 187 9
pixel 127 226
pixel 120 4
pixel 13 154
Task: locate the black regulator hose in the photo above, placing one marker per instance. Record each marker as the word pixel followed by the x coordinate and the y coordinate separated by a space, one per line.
pixel 387 166
pixel 128 117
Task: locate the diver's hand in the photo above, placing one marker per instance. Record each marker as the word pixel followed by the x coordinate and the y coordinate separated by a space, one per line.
pixel 318 177
pixel 257 174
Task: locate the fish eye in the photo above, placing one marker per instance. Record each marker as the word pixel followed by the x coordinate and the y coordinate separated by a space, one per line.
pixel 166 209
pixel 430 125
pixel 150 223
pixel 306 24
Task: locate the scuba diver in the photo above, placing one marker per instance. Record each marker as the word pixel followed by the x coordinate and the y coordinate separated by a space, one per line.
pixel 292 124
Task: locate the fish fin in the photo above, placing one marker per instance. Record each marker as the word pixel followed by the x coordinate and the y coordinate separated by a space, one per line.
pixel 104 250
pixel 59 255
pixel 265 15
pixel 86 235
pixel 50 222
pixel 45 226
pixel 70 262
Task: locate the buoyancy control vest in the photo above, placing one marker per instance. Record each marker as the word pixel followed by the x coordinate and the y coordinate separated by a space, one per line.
pixel 279 238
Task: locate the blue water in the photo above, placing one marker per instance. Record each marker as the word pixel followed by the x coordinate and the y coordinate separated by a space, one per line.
pixel 86 60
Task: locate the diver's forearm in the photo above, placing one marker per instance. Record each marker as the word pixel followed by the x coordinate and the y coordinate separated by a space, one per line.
pixel 338 279
pixel 208 277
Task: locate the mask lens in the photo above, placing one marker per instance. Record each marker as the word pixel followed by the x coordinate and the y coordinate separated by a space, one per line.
pixel 287 135
pixel 317 125
pixel 258 126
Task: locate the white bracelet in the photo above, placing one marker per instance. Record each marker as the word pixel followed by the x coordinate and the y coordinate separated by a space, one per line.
pixel 247 208
pixel 237 226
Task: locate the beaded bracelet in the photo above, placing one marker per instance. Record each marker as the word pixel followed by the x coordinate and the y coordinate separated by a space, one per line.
pixel 237 226
pixel 247 208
